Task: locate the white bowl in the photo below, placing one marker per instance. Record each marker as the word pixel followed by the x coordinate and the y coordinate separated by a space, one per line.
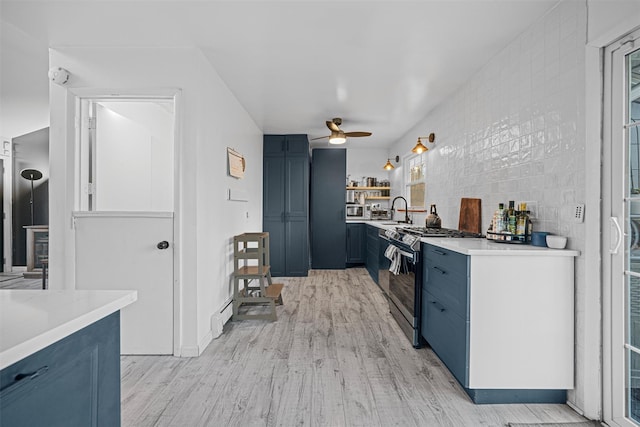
pixel 556 242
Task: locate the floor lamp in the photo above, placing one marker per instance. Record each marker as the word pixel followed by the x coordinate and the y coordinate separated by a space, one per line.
pixel 31 175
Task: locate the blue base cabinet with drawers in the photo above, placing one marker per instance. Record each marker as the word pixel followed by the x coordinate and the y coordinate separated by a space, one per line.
pixel 446 326
pixel 74 382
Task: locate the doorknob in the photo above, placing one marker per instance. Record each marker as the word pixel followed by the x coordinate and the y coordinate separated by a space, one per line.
pixel 163 245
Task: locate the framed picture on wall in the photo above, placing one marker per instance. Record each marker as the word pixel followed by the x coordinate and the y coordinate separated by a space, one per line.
pixel 236 163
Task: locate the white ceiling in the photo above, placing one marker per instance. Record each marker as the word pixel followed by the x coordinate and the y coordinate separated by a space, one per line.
pixel 380 65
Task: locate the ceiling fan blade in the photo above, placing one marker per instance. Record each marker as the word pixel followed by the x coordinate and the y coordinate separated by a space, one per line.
pixel 334 127
pixel 356 134
pixel 322 137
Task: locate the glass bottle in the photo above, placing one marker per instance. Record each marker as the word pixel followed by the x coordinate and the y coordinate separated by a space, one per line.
pixel 511 215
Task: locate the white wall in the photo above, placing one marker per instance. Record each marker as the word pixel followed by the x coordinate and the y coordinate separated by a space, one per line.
pixel 24 101
pixel 515 131
pixel 211 119
pixel 363 162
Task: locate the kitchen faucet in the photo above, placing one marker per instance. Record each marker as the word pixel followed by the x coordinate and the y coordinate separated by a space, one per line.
pixel 406 209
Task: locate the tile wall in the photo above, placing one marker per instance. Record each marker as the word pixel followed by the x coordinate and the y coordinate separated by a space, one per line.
pixel 515 131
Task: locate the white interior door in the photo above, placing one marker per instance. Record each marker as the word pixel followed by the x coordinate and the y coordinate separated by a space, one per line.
pixel 124 226
pixel 131 251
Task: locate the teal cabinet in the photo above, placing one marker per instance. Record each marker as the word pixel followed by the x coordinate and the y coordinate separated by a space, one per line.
pixel 448 323
pixel 328 194
pixel 356 243
pixel 286 203
pixel 372 257
pixel 74 382
pixel 445 310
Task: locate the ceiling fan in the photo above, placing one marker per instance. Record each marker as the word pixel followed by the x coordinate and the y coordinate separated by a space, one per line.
pixel 338 136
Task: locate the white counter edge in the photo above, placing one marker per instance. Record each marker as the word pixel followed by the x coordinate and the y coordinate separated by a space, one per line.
pixel 476 246
pixel 484 247
pixel 26 348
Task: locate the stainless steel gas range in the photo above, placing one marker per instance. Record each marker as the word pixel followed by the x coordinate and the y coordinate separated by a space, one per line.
pixel 405 279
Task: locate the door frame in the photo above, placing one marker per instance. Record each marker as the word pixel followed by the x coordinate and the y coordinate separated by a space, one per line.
pixel 6 155
pixel 80 94
pixel 613 181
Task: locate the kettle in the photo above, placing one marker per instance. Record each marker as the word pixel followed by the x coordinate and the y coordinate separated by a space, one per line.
pixel 433 220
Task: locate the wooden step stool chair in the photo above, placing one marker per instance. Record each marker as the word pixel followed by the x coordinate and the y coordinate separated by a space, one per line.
pixel 251 263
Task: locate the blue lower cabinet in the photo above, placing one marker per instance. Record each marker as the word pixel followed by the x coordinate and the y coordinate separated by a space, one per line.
pixel 356 244
pixel 447 333
pixel 372 249
pixel 446 293
pixel 73 382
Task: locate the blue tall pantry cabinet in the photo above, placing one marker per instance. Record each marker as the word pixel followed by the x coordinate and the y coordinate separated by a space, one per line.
pixel 328 195
pixel 286 203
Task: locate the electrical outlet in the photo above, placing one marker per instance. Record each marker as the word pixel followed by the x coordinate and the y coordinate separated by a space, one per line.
pixel 578 215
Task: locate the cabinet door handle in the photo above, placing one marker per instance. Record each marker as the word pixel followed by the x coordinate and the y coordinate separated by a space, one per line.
pixel 439 270
pixel 438 306
pixel 18 378
pixel 439 252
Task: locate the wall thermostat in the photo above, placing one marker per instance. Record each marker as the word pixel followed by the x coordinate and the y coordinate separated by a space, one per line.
pixel 59 75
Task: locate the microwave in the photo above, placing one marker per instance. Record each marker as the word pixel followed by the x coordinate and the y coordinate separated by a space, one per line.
pixel 355 211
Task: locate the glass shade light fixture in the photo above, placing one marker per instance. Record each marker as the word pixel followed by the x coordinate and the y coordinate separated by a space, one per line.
pixel 337 137
pixel 388 166
pixel 420 147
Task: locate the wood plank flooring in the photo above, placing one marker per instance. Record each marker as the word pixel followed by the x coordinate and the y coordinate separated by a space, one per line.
pixel 334 357
pixel 13 281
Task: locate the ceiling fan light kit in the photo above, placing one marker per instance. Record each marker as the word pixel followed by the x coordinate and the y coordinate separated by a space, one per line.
pixel 420 147
pixel 338 136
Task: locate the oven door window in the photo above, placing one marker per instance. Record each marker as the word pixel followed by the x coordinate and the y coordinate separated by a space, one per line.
pixel 403 285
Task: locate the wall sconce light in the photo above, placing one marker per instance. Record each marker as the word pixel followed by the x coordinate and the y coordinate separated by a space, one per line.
pixel 420 147
pixel 388 166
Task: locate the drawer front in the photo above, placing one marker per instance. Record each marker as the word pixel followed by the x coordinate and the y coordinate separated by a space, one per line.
pixel 372 231
pixel 450 261
pixel 451 289
pixel 447 334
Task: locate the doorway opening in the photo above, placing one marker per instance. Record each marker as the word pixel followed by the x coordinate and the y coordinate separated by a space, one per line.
pixel 124 220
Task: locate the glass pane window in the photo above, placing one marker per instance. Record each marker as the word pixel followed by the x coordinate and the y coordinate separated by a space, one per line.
pixel 632 235
pixel 415 181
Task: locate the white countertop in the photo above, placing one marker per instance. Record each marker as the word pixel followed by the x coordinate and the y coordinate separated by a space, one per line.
pixel 476 246
pixel 30 320
pixel 479 246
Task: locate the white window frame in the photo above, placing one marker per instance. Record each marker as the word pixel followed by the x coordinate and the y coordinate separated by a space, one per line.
pixel 409 161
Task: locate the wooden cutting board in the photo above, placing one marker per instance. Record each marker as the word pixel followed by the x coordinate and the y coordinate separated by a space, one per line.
pixel 470 215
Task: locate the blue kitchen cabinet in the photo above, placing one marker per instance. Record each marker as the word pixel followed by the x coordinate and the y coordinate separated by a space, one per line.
pixel 285 203
pixel 446 325
pixel 372 261
pixel 74 382
pixel 328 194
pixel 356 243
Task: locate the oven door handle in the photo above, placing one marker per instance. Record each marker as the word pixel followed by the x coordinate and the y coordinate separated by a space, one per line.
pixel 407 254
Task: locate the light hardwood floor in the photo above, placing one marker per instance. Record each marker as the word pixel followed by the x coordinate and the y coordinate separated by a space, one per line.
pixel 15 281
pixel 334 357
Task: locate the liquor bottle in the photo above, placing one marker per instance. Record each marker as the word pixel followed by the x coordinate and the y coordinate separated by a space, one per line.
pixel 521 222
pixel 511 215
pixel 529 226
pixel 498 219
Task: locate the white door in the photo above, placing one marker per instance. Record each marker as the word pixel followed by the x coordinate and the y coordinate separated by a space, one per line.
pixel 124 226
pixel 621 236
pixel 131 251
